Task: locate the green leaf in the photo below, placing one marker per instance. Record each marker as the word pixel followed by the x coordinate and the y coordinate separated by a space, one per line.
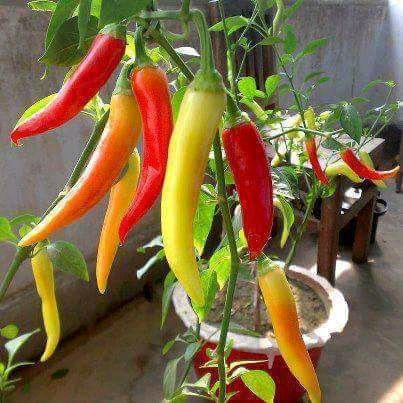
pixel 64 49
pixel 27 219
pixel 203 219
pixel 169 285
pixel 290 11
pixel 287 214
pixel 68 258
pixel 168 345
pixel 247 87
pixel 374 83
pixel 42 5
pixel 36 107
pixel 169 379
pixel 6 232
pixel 191 350
pixel 220 262
pixel 260 383
pixel 312 47
pixel 271 84
pixel 160 255
pixel 312 75
pixel 9 332
pixel 177 100
pixel 232 23
pixel 60 373
pixel 84 14
pixel 271 40
pixel 332 144
pixel 96 8
pixel 14 345
pixel 209 284
pixel 64 9
pixel 119 10
pixel 290 41
pixel 350 121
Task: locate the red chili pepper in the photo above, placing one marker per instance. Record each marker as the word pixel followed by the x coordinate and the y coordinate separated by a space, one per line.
pixel 102 59
pixel 364 171
pixel 313 159
pixel 247 158
pixel 150 87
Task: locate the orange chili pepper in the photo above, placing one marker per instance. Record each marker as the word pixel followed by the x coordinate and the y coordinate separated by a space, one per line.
pixel 109 158
pixel 281 307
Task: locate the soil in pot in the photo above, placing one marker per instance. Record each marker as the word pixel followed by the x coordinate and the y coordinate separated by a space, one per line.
pixel 311 309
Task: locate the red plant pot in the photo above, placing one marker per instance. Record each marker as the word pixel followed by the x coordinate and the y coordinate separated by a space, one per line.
pixel 288 389
pixel 246 348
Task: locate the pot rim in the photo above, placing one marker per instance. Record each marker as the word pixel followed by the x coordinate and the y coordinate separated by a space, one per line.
pixel 333 299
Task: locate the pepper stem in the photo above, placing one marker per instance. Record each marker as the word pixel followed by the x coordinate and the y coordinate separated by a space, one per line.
pixel 142 59
pixel 123 83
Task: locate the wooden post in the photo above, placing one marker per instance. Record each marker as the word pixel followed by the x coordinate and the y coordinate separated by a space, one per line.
pixel 363 229
pixel 328 241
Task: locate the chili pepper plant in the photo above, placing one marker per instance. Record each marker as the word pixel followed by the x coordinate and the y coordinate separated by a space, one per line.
pixel 213 147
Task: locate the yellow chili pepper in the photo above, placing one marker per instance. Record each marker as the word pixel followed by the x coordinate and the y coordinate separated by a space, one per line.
pixel 283 313
pixel 310 119
pixel 122 194
pixel 198 119
pixel 341 168
pixel 366 159
pixel 42 269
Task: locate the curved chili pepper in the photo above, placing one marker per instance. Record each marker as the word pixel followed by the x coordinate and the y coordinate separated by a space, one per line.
pixel 198 119
pixel 281 307
pixel 366 159
pixel 119 200
pixel 150 87
pixel 313 159
pixel 341 168
pixel 109 158
pixel 247 159
pixel 42 269
pixel 363 170
pixel 102 59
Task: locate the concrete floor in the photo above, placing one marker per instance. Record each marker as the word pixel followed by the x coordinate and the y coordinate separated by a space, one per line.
pixel 120 359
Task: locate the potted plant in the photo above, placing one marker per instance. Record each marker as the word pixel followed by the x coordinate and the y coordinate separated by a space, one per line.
pixel 175 159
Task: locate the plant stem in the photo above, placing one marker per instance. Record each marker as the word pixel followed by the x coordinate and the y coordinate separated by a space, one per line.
pixel 206 49
pixel 23 253
pixel 162 41
pixel 223 198
pixel 230 54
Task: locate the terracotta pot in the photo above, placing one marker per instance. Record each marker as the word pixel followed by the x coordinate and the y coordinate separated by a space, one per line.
pixel 245 347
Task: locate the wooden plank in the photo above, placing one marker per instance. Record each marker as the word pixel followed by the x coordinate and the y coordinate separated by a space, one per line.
pixel 363 232
pixel 328 241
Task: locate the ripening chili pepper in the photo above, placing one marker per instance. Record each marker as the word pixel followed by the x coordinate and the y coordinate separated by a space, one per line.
pixel 310 145
pixel 341 168
pixel 150 87
pixel 245 151
pixel 121 196
pixel 365 171
pixel 198 119
pixel 366 159
pixel 100 62
pixel 42 269
pixel 281 307
pixel 104 167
